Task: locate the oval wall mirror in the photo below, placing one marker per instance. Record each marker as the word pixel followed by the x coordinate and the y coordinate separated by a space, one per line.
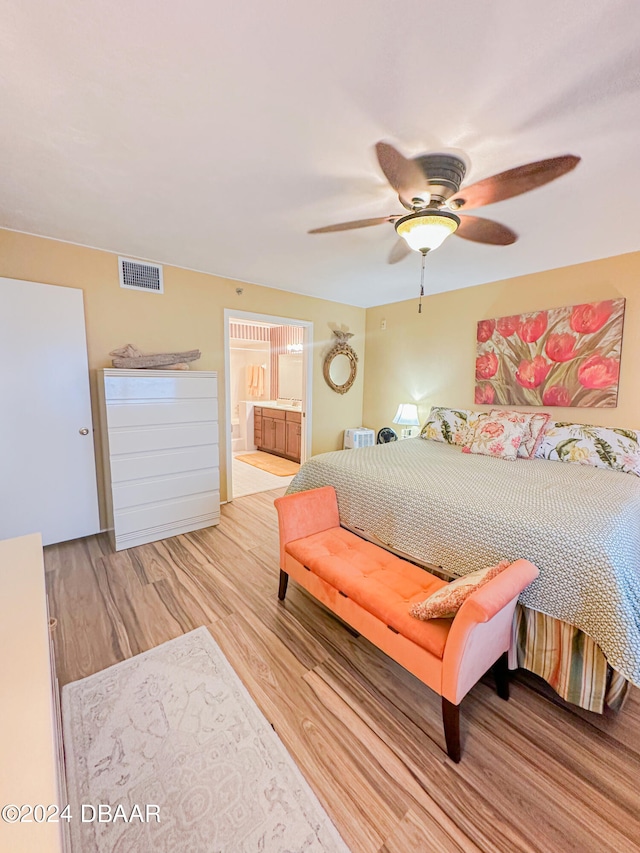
pixel 340 369
pixel 340 364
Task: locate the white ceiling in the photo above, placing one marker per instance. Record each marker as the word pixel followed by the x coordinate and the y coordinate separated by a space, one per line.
pixel 212 135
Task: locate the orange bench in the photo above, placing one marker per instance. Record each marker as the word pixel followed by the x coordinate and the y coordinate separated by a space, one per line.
pixel 372 590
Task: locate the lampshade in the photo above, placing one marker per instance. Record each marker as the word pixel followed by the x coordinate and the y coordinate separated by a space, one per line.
pixel 426 231
pixel 407 415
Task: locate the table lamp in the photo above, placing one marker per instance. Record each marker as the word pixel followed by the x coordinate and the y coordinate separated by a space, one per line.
pixel 407 416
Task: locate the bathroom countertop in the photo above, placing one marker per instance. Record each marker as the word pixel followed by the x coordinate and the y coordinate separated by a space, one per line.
pixel 273 404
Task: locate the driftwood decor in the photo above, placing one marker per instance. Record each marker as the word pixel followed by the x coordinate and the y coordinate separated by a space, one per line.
pixel 129 356
pixel 340 360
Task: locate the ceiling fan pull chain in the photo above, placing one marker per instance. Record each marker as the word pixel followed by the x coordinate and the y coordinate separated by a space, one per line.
pixel 424 255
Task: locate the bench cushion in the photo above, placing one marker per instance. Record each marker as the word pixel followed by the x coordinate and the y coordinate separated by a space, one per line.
pixel 379 582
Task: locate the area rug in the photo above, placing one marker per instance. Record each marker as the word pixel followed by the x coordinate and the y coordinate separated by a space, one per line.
pixel 273 464
pixel 174 728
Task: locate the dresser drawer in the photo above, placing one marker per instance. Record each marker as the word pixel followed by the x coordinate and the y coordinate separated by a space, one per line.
pixel 152 386
pixel 163 462
pixel 156 490
pixel 135 414
pixel 168 437
pixel 169 515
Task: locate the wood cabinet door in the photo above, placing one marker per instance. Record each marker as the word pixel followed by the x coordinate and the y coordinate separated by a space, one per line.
pixel 257 428
pixel 293 440
pixel 268 426
pixel 280 436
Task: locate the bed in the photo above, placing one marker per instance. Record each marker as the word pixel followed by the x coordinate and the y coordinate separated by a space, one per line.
pixel 580 525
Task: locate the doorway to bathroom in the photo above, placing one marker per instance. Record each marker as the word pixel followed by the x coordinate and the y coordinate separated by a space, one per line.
pixel 268 400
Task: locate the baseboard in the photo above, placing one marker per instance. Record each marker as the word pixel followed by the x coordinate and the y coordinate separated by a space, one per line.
pixel 165 531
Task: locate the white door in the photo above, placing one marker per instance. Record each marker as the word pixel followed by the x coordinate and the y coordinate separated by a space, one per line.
pixel 47 466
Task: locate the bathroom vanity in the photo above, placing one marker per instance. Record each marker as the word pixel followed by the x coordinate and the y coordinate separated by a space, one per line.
pixel 277 429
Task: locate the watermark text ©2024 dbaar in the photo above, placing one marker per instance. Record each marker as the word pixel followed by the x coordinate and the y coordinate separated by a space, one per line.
pixel 87 813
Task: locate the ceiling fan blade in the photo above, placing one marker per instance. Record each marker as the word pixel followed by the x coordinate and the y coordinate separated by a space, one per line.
pixel 399 251
pixel 482 230
pixel 357 223
pixel 513 182
pixel 405 176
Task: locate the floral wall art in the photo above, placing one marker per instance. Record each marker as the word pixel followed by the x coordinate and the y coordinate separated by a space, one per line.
pixel 560 357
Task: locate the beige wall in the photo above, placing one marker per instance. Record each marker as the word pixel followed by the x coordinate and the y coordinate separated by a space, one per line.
pixel 429 358
pixel 190 314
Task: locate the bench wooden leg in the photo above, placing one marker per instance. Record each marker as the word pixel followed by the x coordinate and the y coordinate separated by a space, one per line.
pixel 451 720
pixel 282 588
pixel 501 675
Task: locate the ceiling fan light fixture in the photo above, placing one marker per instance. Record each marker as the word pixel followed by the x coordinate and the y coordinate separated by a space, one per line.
pixel 425 231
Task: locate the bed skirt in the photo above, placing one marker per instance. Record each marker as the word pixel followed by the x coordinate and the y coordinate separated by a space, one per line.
pixel 567 659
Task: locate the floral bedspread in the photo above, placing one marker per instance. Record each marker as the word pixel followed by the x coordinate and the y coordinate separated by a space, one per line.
pixel 579 525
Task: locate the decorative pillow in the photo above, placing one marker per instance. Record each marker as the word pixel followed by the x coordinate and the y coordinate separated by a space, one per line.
pixel 450 598
pixel 602 447
pixel 534 425
pixel 496 435
pixel 448 425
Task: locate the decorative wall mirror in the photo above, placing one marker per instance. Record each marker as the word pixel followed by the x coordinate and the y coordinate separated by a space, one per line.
pixel 340 364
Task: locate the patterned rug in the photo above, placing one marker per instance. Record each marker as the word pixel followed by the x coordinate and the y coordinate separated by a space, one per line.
pixel 176 729
pixel 268 462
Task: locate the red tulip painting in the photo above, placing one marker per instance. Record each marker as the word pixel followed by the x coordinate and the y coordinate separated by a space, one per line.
pixel 560 357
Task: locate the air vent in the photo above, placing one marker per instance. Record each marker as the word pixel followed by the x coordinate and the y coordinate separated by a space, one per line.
pixel 136 275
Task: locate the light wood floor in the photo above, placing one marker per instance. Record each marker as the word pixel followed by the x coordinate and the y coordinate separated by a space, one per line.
pixel 366 734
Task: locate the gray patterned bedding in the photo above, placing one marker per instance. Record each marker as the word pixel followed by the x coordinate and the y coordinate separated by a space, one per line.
pixel 579 525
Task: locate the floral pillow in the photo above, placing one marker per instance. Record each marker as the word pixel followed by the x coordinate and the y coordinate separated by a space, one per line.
pixel 496 435
pixel 448 425
pixel 450 598
pixel 602 447
pixel 534 426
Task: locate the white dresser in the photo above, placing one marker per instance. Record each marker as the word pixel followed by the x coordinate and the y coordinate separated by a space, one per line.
pixel 31 760
pixel 160 448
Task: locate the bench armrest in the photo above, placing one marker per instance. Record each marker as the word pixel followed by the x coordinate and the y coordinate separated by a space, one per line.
pixel 305 513
pixel 481 630
pixel 491 597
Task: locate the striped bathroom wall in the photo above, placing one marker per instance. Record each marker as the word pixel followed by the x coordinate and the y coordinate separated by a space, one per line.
pixel 249 332
pixel 278 338
pixel 281 338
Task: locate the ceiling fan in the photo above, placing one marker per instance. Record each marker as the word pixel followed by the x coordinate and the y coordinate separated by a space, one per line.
pixel 429 186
